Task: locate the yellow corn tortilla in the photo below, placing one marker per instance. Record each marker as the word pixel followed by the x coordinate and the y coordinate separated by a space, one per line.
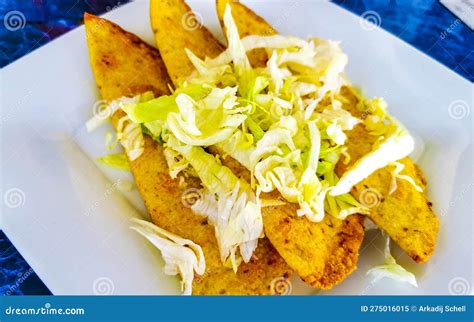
pixel 406 214
pixel 248 23
pixel 125 65
pixel 323 254
pixel 177 27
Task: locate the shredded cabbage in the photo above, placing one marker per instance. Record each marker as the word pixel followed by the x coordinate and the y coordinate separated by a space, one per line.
pixel 181 256
pixel 235 46
pixel 391 269
pixel 237 220
pixel 395 147
pixel 117 161
pixel 107 110
pixel 396 175
pixel 285 122
pixel 208 121
pixel 228 202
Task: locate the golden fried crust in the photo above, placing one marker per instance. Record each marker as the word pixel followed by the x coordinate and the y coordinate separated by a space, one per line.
pixel 170 21
pixel 405 215
pixel 254 25
pixel 323 253
pixel 118 57
pixel 124 65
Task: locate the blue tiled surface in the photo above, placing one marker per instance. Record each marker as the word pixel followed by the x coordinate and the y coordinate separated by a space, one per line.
pixel 425 24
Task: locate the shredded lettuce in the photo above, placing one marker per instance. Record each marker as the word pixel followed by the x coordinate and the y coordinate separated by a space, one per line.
pixel 158 109
pixel 391 269
pixel 228 203
pixel 130 135
pixel 237 220
pixel 117 161
pixel 154 110
pixel 182 256
pixel 235 46
pixel 396 175
pixel 106 110
pixel 395 147
pixel 285 122
pixel 208 121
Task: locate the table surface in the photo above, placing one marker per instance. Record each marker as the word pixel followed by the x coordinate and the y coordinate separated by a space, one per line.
pixel 425 24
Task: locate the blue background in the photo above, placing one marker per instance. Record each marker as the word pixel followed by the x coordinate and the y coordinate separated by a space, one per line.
pixel 425 24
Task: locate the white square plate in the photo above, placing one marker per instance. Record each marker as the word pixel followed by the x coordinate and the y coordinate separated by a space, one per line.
pixel 70 221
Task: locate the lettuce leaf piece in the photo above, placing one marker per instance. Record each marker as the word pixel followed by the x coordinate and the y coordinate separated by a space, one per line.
pixel 255 87
pixel 313 191
pixel 240 146
pixel 214 176
pixel 235 47
pixel 153 110
pixel 158 109
pixel 395 147
pixel 105 111
pixel 181 256
pixel 396 175
pixel 207 121
pixel 228 202
pixel 391 269
pixel 254 128
pixel 153 129
pixel 238 222
pixel 116 161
